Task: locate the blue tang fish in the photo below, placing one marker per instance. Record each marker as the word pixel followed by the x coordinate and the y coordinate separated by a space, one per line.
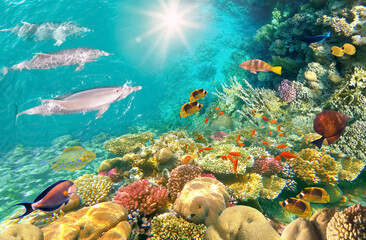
pixel 51 198
pixel 313 39
pixel 72 159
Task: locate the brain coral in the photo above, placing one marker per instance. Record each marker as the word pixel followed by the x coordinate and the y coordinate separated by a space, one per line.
pixel 127 143
pixel 202 200
pixel 93 189
pixel 22 232
pixel 312 167
pixel 180 176
pixel 168 226
pixel 101 221
pixel 349 224
pixel 142 196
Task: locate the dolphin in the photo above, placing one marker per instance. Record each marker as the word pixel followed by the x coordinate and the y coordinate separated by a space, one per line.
pixel 72 56
pixel 84 101
pixel 47 30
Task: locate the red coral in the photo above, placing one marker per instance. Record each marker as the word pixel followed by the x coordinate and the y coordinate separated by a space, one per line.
pixel 114 175
pixel 142 196
pixel 268 166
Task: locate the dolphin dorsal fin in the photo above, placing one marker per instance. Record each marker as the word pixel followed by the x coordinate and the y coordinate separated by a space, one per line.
pixel 72 149
pixel 43 54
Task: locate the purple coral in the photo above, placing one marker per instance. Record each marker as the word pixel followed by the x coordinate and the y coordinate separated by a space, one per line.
pixel 287 91
pixel 219 136
pixel 268 166
pixel 142 196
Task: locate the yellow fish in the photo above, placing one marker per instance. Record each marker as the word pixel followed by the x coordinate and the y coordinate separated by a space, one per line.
pixel 349 49
pixel 197 94
pixel 314 194
pixel 189 109
pixel 298 207
pixel 337 51
pixel 72 159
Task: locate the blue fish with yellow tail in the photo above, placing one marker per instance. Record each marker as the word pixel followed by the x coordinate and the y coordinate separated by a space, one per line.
pixel 51 198
pixel 313 39
pixel 72 159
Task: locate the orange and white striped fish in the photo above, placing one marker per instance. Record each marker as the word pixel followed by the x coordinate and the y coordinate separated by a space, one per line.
pixel 255 65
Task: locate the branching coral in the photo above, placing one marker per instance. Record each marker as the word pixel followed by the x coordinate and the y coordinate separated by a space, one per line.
pixel 93 189
pixel 127 143
pixel 168 226
pixel 142 196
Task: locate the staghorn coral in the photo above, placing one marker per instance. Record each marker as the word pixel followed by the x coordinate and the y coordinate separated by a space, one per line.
pixel 179 176
pixel 287 91
pixel 349 224
pixel 101 221
pixel 312 167
pixel 142 196
pixel 272 187
pixel 22 232
pixel 351 168
pixel 247 187
pixel 127 143
pixel 93 189
pixel 168 226
pixel 202 200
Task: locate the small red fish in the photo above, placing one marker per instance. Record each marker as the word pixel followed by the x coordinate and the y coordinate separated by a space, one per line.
pixel 270 133
pixel 186 146
pixel 265 143
pixel 262 126
pixel 224 157
pixel 238 138
pixel 278 158
pixel 200 150
pixel 262 157
pixel 200 137
pixel 265 118
pixel 265 167
pixel 236 154
pixel 206 120
pixel 278 128
pixel 220 113
pixel 281 135
pixel 186 127
pixel 287 155
pixel 253 132
pixel 282 146
pixel 207 148
pixel 253 111
pixel 235 164
pixel 241 144
pixel 248 157
pixel 231 158
pixel 273 121
pixel 186 159
pixel 217 108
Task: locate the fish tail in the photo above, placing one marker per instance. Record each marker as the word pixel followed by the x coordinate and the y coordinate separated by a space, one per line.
pixel 318 142
pixel 277 70
pixel 28 209
pixel 5 70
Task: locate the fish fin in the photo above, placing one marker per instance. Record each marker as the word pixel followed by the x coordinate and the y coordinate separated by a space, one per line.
pixel 91 60
pixel 277 70
pixel 318 142
pixel 42 54
pixel 80 67
pixel 40 196
pixel 252 71
pixel 58 43
pixel 332 139
pixel 5 70
pixel 72 149
pixel 28 209
pixel 102 110
pixel 50 209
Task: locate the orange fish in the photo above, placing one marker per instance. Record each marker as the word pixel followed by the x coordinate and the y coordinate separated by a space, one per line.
pixel 186 146
pixel 186 159
pixel 200 137
pixel 278 158
pixel 238 138
pixel 281 135
pixel 262 157
pixel 224 157
pixel 278 128
pixel 253 111
pixel 287 155
pixel 200 150
pixel 241 144
pixel 265 143
pixel 265 167
pixel 273 121
pixel 231 158
pixel 265 118
pixel 282 146
pixel 186 127
pixel 236 154
pixel 253 132
pixel 255 65
pixel 262 126
pixel 270 133
pixel 220 113
pixel 314 194
pixel 206 120
pixel 207 148
pixel 235 164
pixel 217 108
pixel 248 157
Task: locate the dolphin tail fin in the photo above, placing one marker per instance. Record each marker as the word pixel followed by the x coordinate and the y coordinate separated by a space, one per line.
pixel 5 70
pixel 28 209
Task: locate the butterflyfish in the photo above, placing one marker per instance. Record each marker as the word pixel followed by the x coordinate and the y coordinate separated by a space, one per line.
pixel 197 94
pixel 337 51
pixel 72 159
pixel 349 49
pixel 51 198
pixel 314 194
pixel 255 65
pixel 330 125
pixel 298 207
pixel 189 109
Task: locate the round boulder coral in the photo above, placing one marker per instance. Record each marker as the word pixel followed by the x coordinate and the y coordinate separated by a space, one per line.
pixel 22 232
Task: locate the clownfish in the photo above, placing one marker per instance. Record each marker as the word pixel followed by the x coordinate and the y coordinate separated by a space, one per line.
pixel 298 207
pixel 197 94
pixel 314 194
pixel 189 109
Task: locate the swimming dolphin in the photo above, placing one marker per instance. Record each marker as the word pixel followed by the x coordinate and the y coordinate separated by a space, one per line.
pixel 72 56
pixel 47 30
pixel 84 101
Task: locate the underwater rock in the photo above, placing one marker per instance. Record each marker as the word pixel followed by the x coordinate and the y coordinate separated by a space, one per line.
pixel 241 222
pixel 222 123
pixel 22 232
pixel 300 229
pixel 202 200
pixel 164 155
pixel 310 76
pixel 320 221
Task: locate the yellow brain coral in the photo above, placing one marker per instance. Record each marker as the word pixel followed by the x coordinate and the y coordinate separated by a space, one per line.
pixel 102 221
pixel 127 143
pixel 93 189
pixel 313 166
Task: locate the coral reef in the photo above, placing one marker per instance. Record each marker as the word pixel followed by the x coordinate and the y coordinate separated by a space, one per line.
pixel 179 176
pixel 287 91
pixel 142 196
pixel 127 143
pixel 202 200
pixel 167 226
pixel 348 224
pixel 219 135
pixel 272 187
pixel 113 174
pixel 22 232
pixel 247 187
pixel 101 221
pixel 93 189
pixel 267 166
pixel 120 163
pixel 241 222
pixel 351 168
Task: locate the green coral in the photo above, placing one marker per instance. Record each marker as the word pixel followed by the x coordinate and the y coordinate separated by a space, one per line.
pixel 127 143
pixel 168 226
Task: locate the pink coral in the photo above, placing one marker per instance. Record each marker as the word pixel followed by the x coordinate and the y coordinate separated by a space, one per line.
pixel 219 136
pixel 113 174
pixel 268 166
pixel 142 196
pixel 208 175
pixel 287 91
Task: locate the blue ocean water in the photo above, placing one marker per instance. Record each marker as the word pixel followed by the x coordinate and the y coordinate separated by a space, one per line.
pixel 121 28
